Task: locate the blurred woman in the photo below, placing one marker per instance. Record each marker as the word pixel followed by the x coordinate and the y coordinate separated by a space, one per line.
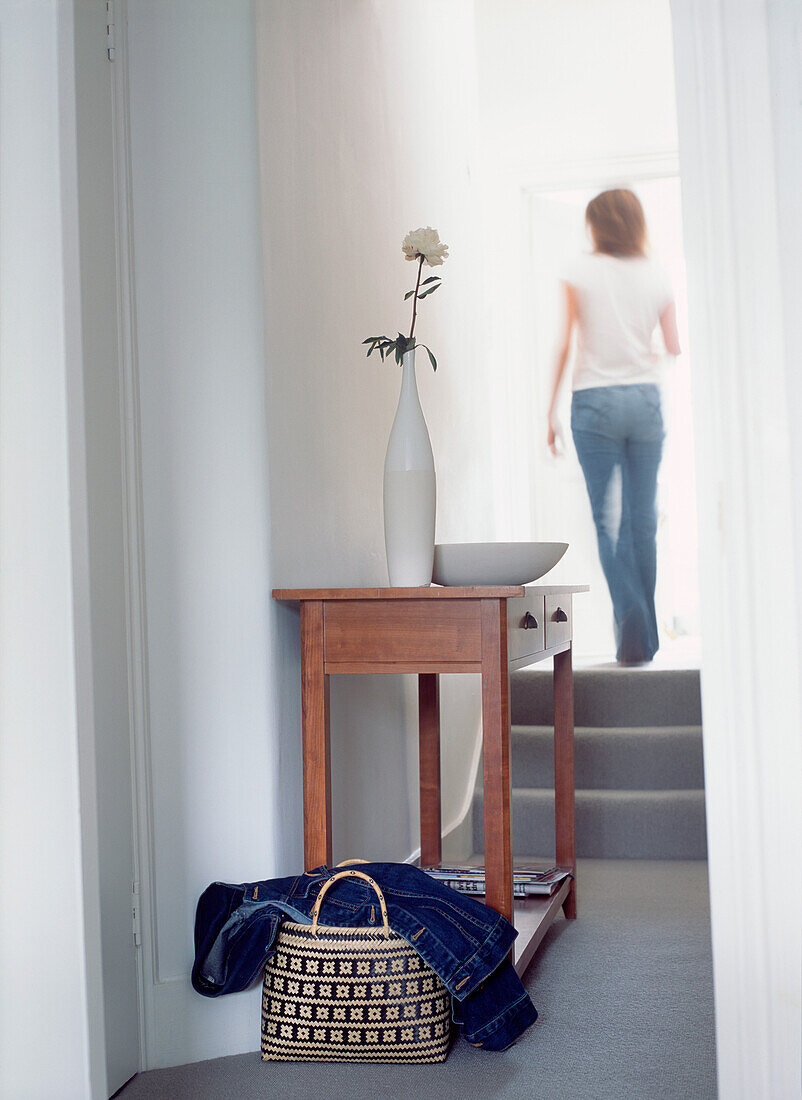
pixel 615 297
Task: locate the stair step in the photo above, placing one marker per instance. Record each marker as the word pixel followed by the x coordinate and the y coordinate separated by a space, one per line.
pixel 625 758
pixel 612 697
pixel 609 824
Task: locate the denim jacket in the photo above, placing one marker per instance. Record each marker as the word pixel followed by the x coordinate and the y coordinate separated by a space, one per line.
pixel 466 943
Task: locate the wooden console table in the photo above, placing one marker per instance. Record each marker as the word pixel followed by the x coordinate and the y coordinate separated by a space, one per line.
pixel 429 631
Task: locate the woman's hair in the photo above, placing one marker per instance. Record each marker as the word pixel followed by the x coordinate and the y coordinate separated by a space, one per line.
pixel 616 222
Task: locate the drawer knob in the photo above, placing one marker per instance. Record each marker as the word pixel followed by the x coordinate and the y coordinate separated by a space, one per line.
pixel 529 621
pixel 559 616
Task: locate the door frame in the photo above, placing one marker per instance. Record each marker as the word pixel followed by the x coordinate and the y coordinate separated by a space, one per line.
pixel 748 568
pixel 99 541
pixel 745 501
pixel 136 608
pixel 544 180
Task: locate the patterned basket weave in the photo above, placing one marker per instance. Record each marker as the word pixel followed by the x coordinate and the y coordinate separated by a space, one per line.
pixel 351 995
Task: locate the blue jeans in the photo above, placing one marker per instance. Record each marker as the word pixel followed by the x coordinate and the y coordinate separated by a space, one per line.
pixel 618 433
pixel 466 943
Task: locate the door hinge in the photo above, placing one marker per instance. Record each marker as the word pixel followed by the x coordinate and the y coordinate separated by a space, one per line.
pixel 111 43
pixel 137 927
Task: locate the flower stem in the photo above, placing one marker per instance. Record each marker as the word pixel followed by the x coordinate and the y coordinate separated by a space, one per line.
pixel 415 299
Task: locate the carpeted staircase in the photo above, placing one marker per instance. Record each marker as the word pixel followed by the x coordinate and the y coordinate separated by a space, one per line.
pixel 638 764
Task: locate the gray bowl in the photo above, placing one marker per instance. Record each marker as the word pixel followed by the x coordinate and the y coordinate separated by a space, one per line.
pixel 467 564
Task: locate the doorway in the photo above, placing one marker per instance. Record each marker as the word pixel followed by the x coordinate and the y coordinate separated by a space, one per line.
pixel 558 504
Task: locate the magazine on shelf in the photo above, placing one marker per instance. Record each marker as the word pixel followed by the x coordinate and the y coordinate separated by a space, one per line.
pixel 528 881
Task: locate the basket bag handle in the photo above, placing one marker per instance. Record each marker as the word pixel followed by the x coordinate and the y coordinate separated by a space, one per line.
pixel 350 874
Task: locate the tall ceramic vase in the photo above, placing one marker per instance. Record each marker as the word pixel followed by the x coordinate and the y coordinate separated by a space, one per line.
pixel 409 489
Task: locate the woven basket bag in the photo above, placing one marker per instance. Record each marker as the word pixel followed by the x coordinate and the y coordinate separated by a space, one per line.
pixel 351 994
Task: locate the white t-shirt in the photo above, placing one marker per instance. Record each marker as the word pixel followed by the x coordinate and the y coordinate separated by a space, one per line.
pixel 620 301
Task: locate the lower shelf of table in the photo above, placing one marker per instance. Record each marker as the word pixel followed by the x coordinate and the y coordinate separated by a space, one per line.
pixel 533 916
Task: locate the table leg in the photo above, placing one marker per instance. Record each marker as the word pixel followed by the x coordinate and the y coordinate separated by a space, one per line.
pixel 564 770
pixel 496 758
pixel 429 755
pixel 316 742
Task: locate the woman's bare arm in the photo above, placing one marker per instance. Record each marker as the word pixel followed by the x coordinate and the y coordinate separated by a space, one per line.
pixel 561 362
pixel 668 324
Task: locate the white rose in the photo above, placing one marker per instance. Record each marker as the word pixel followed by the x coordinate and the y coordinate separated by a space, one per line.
pixel 425 242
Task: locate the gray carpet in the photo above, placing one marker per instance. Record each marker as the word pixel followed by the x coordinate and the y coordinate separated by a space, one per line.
pixel 622 824
pixel 612 696
pixel 626 1010
pixel 630 758
pixel 639 772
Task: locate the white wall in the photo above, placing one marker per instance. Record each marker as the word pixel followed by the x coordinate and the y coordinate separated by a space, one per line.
pixel 572 80
pixel 785 46
pixel 364 136
pixel 44 1002
pixel 208 770
pixel 219 759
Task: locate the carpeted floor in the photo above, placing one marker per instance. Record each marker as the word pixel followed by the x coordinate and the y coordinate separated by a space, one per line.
pixel 625 998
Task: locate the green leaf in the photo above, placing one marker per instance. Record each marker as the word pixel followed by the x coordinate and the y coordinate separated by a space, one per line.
pixel 431 290
pixel 431 279
pixel 432 359
pixel 382 344
pixel 408 294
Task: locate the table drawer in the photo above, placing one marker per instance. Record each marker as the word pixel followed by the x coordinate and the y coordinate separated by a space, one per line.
pixel 526 633
pixel 558 618
pixel 370 633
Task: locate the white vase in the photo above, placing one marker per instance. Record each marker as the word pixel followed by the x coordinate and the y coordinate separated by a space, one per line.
pixel 410 493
